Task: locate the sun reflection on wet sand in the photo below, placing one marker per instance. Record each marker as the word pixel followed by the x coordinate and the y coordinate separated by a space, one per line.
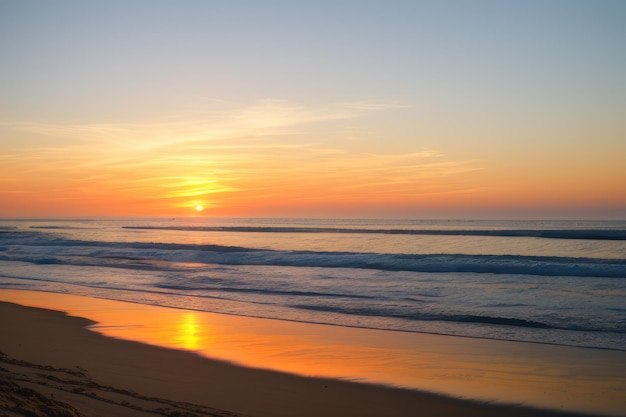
pixel 188 331
pixel 533 374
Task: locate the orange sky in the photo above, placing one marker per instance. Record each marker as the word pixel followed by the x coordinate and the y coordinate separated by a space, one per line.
pixel 253 111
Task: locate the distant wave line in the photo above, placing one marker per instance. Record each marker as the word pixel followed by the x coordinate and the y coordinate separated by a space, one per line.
pixel 590 234
pixel 140 255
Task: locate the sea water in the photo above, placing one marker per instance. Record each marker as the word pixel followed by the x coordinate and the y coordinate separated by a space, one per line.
pixel 557 282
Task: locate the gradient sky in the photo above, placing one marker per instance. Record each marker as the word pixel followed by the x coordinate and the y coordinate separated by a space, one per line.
pixel 496 109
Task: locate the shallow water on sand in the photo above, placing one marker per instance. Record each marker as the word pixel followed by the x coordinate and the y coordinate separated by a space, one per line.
pixel 557 377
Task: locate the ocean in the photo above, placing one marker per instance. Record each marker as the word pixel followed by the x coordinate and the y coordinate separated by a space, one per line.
pixel 555 282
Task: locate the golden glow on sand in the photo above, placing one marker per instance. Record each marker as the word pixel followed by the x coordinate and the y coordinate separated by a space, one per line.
pixel 188 331
pixel 482 369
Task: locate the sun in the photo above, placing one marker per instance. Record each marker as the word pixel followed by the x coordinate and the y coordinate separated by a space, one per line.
pixel 199 207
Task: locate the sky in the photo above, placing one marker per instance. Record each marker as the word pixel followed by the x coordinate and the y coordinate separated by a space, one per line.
pixel 342 108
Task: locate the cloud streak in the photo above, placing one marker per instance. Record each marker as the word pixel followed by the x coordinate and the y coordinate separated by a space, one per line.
pixel 268 151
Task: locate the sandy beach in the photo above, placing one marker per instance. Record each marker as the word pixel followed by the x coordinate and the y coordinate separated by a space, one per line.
pixel 51 361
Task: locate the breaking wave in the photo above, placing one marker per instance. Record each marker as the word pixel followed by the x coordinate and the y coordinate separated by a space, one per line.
pixel 44 250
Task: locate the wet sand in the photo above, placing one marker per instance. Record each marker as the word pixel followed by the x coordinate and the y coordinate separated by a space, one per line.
pixel 54 355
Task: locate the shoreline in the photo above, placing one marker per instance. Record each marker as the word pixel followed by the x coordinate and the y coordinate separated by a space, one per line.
pixel 186 376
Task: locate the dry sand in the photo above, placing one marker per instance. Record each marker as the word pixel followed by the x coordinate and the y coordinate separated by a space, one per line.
pixel 53 366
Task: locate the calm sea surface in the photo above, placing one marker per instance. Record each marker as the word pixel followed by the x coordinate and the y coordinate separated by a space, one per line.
pixel 560 282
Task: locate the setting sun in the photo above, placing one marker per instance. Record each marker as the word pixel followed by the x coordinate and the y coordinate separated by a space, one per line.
pixel 279 139
pixel 424 195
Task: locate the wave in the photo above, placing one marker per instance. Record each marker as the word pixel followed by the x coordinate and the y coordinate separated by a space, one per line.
pixel 591 234
pixel 264 291
pixel 374 307
pixel 377 308
pixel 454 318
pixel 60 227
pixel 38 239
pixel 462 318
pixel 28 247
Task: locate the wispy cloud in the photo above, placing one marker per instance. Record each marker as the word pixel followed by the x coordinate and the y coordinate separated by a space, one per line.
pixel 262 118
pixel 269 149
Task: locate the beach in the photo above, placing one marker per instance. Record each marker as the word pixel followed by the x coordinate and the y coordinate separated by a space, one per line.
pixel 57 356
pixel 298 209
pixel 323 208
pixel 297 317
